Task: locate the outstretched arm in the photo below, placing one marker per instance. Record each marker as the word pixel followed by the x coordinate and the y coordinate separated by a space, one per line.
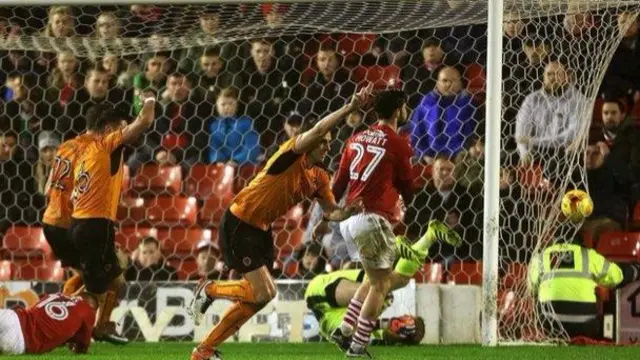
pixel 132 132
pixel 311 138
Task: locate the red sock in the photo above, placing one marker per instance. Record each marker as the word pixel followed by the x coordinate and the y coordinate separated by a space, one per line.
pixel 365 328
pixel 350 319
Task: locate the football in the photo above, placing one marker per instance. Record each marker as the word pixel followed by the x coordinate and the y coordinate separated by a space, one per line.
pixel 577 205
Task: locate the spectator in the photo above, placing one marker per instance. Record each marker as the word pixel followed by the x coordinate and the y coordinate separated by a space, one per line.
pixel 515 222
pixel 330 88
pixel 211 75
pixel 609 202
pixel 293 125
pixel 469 163
pixel 179 135
pixel 623 75
pixel 48 144
pixel 107 26
pixel 445 118
pixel 312 261
pixel 210 267
pixel 26 111
pixel 60 24
pixel 353 124
pixel 121 73
pixel 233 139
pixel 153 77
pixel 95 91
pixel 264 88
pixel 623 140
pixel 551 121
pixel 450 202
pixel 149 264
pixel 18 193
pixel 420 76
pixel 64 80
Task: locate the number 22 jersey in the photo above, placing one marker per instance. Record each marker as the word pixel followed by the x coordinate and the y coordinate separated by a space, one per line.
pixel 376 167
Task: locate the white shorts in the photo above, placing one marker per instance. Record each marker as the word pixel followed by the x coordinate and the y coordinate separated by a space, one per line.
pixel 369 239
pixel 11 338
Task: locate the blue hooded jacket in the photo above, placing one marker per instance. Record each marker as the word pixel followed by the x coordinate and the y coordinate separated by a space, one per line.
pixel 441 124
pixel 233 138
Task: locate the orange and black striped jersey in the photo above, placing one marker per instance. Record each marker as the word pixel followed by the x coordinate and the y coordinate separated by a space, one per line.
pixel 59 204
pixel 98 178
pixel 287 179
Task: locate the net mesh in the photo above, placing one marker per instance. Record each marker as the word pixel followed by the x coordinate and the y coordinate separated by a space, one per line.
pixel 309 59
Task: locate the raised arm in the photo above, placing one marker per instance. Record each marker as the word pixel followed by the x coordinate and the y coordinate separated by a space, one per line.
pixel 145 118
pixel 311 138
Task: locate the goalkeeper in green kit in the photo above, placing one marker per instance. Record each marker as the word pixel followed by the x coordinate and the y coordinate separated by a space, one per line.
pixel 328 295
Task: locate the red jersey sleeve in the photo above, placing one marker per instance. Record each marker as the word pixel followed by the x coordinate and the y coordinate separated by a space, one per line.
pixel 404 171
pixel 341 180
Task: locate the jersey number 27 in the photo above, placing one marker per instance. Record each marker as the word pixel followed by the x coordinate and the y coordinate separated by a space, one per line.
pixel 356 171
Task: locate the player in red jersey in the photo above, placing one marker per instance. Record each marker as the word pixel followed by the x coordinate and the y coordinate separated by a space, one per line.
pixel 55 320
pixel 376 168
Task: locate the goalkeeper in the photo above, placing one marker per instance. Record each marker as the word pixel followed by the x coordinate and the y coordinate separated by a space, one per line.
pixel 328 295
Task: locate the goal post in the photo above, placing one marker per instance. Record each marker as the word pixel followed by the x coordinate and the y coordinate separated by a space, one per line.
pixel 491 223
pixel 488 179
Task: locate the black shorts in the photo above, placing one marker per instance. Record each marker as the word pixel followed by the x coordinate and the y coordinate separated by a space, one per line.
pixel 94 241
pixel 62 247
pixel 244 247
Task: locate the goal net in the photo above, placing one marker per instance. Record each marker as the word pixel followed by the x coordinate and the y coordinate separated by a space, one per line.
pixel 235 79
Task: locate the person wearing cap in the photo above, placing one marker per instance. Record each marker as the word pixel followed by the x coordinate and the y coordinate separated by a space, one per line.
pixel 48 144
pixel 208 259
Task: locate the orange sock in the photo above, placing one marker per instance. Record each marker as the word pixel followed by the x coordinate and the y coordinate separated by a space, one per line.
pixel 239 290
pixel 235 316
pixel 72 285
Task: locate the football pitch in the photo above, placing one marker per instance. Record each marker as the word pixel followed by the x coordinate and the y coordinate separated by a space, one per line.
pixel 252 351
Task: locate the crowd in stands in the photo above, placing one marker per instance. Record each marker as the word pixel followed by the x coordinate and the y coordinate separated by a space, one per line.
pixel 233 103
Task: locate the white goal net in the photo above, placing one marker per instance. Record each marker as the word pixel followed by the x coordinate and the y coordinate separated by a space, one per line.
pixel 236 79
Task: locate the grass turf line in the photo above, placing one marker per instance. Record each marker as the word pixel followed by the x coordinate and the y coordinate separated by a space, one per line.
pixel 283 351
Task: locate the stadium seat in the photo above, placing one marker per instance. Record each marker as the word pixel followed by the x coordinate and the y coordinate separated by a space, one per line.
pixel 287 240
pixel 431 273
pixel 205 181
pixel 186 267
pixel 516 274
pixel 25 241
pixel 244 175
pixel 292 219
pixel 635 221
pixel 359 44
pixel 422 174
pixel 476 79
pixel 382 77
pixel 159 211
pixel 153 179
pixel 37 269
pixel 619 246
pixel 466 273
pixel 181 242
pixel 5 270
pixel 129 236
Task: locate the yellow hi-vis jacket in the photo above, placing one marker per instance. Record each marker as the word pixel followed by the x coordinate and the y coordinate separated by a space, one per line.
pixel 570 272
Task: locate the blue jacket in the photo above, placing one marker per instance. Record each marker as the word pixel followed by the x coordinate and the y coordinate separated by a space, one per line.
pixel 233 139
pixel 441 125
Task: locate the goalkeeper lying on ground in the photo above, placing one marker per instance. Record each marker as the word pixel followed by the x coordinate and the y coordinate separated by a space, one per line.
pixel 328 295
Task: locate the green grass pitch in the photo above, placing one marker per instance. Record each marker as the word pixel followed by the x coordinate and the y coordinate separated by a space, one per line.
pixel 237 351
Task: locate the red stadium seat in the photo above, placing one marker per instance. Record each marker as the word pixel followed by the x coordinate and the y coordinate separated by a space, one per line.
pixel 635 222
pixel 292 219
pixel 619 246
pixel 210 180
pixel 516 275
pixel 37 269
pixel 159 211
pixel 382 77
pixel 186 267
pixel 287 240
pixel 476 79
pixel 152 179
pixel 180 241
pixel 359 44
pixel 431 273
pixel 466 273
pixel 5 270
pixel 25 241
